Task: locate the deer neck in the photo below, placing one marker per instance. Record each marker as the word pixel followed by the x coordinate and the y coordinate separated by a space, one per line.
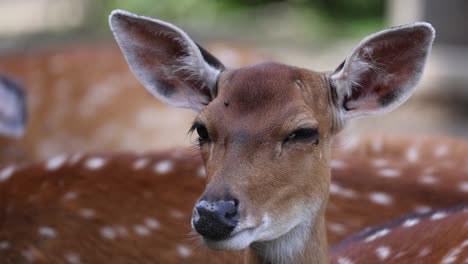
pixel 306 243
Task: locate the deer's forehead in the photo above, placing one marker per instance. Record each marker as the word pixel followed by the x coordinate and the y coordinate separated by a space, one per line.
pixel 250 88
pixel 267 94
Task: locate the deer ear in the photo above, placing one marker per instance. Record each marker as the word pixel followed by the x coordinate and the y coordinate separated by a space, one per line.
pixel 12 108
pixel 382 71
pixel 166 61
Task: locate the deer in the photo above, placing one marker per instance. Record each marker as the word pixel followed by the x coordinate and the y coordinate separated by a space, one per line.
pixel 13 114
pixel 265 130
pixel 63 85
pixel 123 207
pixel 36 253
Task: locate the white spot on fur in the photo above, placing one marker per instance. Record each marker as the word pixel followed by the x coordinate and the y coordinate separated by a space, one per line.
pixel 383 252
pixel 380 163
pixel 381 198
pixel 351 142
pixel 140 163
pixel 428 179
pixel 70 196
pixel 337 228
pixel 342 260
pixel 452 256
pixel 176 214
pixel 95 163
pixel 107 232
pixel 72 258
pixel 411 222
pixel 47 232
pixel 141 230
pixel 152 223
pixel 389 173
pixel 56 162
pixel 98 95
pixel 424 252
pixel 6 173
pixel 463 186
pixel 412 155
pixel 423 209
pixel 28 255
pixel 440 151
pixel 163 167
pixel 341 191
pixel 184 251
pixel 201 172
pixel 87 213
pixel 438 216
pixel 4 245
pixel 337 164
pixel 378 234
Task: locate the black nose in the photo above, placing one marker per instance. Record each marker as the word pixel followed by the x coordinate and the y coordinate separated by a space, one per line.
pixel 215 220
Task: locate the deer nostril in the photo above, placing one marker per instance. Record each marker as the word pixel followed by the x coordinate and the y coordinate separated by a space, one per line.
pixel 231 212
pixel 216 220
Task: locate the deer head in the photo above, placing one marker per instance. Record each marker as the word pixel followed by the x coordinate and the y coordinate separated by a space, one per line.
pixel 265 130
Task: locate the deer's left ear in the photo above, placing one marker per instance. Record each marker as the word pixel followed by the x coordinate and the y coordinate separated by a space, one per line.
pixel 166 60
pixel 382 71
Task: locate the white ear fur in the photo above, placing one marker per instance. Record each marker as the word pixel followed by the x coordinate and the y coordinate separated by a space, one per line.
pixel 362 63
pixel 192 65
pixel 12 108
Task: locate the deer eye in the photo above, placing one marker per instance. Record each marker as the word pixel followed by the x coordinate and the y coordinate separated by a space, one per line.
pixel 203 136
pixel 309 135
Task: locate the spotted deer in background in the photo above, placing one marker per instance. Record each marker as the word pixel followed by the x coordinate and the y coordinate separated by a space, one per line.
pixel 265 130
pixel 62 85
pixel 117 207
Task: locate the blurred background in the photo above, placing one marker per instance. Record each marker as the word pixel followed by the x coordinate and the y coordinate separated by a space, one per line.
pixel 82 97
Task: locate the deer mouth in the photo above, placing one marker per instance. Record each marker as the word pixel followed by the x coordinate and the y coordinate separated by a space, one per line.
pixel 238 240
pixel 246 232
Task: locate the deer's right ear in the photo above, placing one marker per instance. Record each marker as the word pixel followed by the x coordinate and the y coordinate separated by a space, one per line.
pixel 166 61
pixel 13 113
pixel 382 71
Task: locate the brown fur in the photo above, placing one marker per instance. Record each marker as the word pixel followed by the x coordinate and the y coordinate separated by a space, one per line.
pixel 442 237
pixel 123 196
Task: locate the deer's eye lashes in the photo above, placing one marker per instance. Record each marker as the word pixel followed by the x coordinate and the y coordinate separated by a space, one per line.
pixel 304 134
pixel 203 135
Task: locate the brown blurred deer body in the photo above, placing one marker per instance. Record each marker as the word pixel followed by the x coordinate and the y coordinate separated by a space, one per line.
pixel 439 236
pixel 84 98
pixel 122 208
pixel 265 130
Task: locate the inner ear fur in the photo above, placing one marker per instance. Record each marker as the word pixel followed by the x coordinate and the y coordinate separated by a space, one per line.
pixel 166 60
pixel 383 70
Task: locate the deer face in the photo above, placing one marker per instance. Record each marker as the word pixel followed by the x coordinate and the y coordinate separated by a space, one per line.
pixel 265 130
pixel 263 167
